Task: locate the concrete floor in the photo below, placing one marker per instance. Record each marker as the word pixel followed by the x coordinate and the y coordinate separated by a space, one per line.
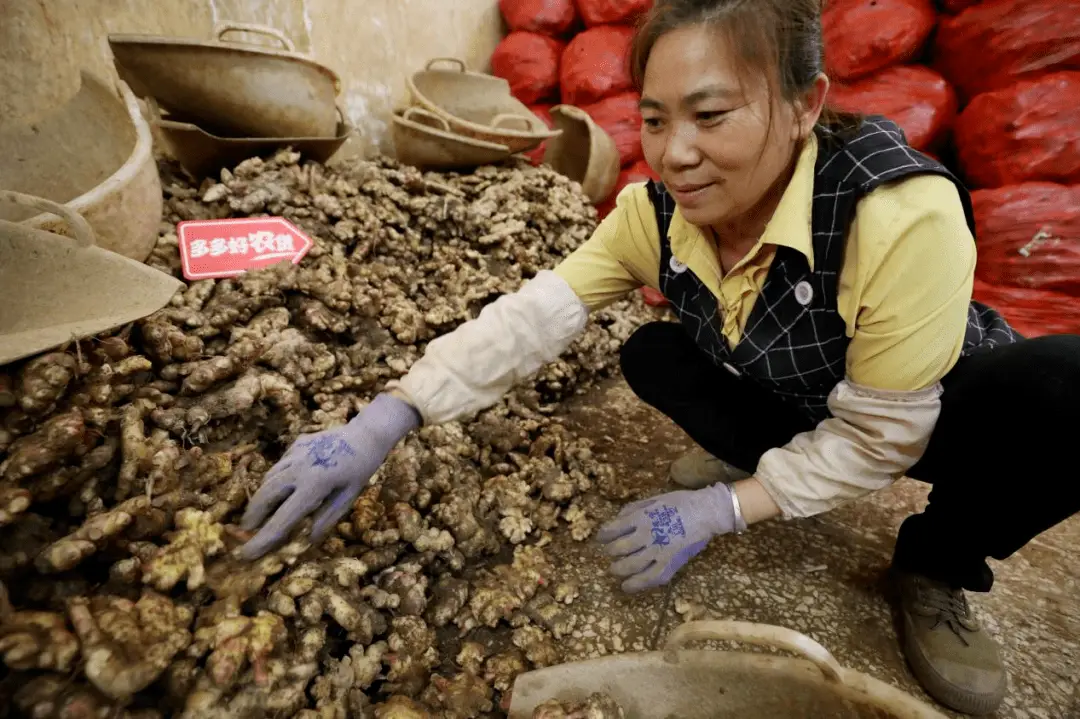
pixel 821 576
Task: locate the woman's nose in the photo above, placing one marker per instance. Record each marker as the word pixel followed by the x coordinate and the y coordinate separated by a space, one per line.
pixel 681 149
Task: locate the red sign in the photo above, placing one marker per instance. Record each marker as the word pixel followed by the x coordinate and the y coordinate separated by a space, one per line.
pixel 226 248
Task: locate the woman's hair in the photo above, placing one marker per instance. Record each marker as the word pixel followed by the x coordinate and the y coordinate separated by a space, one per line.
pixel 779 39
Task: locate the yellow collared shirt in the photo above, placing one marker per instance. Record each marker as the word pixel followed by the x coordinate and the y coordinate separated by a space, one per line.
pixel 905 282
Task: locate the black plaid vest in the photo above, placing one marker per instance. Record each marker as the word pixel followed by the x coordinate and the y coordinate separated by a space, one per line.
pixel 794 343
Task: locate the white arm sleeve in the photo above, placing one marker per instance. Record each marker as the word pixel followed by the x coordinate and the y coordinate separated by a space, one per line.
pixel 872 439
pixel 469 369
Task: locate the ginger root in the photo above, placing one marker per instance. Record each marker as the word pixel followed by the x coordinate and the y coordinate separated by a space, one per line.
pixel 127 645
pixel 412 656
pixel 502 669
pixel 13 502
pixel 196 538
pixel 362 622
pixel 59 437
pixel 57 696
pixel 462 696
pixel 340 692
pixel 538 646
pixel 37 640
pixel 236 641
pixel 581 525
pixel 402 707
pixel 127 458
pixel 550 614
pixel 238 580
pixel 43 381
pixel 505 588
pixel 409 584
pixel 450 596
pixel 94 533
pixel 192 414
pixel 595 706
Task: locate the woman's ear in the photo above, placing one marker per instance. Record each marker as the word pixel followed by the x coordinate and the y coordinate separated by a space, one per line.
pixel 810 107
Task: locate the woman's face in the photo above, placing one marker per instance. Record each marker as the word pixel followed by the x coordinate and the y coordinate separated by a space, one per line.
pixel 709 136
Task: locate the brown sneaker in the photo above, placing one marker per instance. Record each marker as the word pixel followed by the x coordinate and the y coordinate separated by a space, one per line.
pixel 698 469
pixel 952 657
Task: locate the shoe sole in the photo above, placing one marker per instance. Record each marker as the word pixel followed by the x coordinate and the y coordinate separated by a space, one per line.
pixel 933 683
pixel 690 483
pixel 943 691
pixel 728 478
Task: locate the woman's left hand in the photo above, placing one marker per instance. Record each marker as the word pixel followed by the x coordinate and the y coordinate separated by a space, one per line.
pixel 654 538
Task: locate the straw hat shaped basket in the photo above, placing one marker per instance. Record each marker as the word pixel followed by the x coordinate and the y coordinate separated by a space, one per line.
pixel 425 140
pixel 584 152
pixel 477 105
pixel 687 683
pixel 94 154
pixel 232 88
pixel 56 288
pixel 203 153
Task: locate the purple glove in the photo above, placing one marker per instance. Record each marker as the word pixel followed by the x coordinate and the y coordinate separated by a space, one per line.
pixel 655 537
pixel 326 470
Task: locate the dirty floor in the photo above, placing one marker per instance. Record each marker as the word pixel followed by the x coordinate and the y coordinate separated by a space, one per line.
pixel 821 576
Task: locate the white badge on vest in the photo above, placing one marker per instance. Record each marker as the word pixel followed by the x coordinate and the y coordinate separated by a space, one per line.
pixel 804 293
pixel 676 266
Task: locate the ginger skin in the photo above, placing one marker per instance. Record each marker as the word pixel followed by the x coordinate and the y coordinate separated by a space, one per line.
pixel 127 459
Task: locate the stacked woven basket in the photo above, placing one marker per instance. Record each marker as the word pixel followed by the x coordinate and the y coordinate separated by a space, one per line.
pixel 458 119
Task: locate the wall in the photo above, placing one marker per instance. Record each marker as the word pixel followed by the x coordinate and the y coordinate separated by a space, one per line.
pixel 372 55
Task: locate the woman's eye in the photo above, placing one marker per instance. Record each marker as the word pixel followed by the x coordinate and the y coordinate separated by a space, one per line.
pixel 711 117
pixel 653 123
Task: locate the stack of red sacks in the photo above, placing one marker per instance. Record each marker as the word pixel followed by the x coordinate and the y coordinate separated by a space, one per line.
pixel 991 87
pixel 576 52
pixel 872 53
pixel 1015 65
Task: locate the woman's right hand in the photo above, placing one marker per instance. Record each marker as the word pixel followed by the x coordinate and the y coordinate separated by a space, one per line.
pixel 325 472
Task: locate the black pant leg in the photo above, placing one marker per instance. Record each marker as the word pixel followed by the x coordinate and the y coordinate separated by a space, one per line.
pixel 731 417
pixel 1001 460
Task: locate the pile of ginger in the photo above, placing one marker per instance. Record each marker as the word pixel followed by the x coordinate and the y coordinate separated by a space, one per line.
pixel 127 458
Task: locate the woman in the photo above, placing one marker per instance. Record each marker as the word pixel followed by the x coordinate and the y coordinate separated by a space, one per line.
pixel 822 273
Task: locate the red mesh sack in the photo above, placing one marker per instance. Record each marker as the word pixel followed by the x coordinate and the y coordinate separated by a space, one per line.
pixel 914 97
pixel 1029 236
pixel 990 45
pixel 596 64
pixel 1032 313
pixel 954 6
pixel 530 63
pixel 549 17
pixel 1022 133
pixel 864 36
pixel 620 117
pixel 637 172
pixel 611 12
pixel 536 155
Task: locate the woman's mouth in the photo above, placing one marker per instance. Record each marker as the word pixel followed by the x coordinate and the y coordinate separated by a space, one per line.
pixel 686 194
